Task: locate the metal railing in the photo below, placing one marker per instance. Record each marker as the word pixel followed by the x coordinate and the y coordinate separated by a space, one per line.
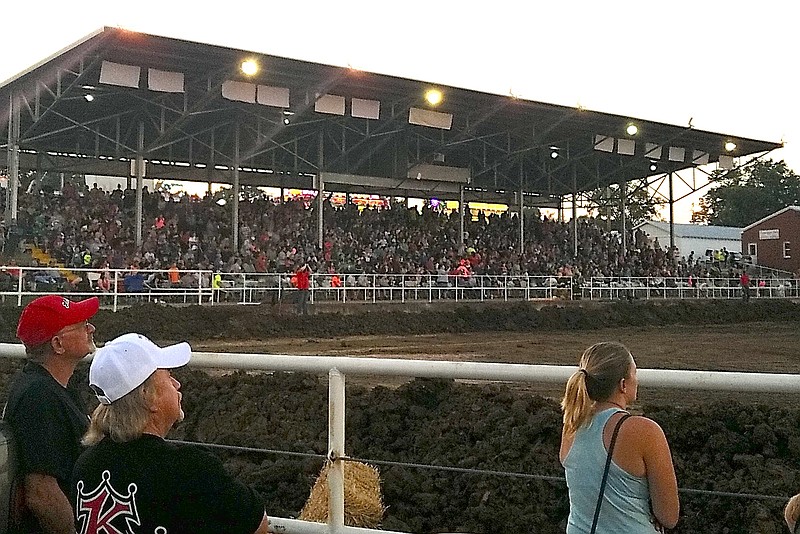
pixel 631 287
pixel 337 368
pixel 374 288
pixel 114 287
pixel 197 286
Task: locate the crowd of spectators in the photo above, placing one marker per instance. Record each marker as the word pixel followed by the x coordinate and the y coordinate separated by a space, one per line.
pixel 96 229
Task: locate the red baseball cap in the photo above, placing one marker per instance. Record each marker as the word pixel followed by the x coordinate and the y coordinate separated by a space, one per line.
pixel 44 317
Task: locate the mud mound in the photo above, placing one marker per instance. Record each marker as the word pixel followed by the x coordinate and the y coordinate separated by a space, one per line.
pixel 722 447
pixel 162 322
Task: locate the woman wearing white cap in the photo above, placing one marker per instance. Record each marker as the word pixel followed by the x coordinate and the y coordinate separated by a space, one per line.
pixel 131 480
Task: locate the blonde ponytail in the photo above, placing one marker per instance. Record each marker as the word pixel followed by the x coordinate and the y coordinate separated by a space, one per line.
pixel 602 366
pixel 576 404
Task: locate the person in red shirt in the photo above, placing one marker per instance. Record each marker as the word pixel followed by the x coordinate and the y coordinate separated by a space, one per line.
pixel 744 280
pixel 302 275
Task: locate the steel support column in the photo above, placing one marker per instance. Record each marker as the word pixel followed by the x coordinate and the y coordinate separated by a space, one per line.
pixel 462 209
pixel 623 193
pixel 671 222
pixel 13 161
pixel 574 211
pixel 210 165
pixel 139 185
pixel 235 200
pixel 320 191
pixel 521 221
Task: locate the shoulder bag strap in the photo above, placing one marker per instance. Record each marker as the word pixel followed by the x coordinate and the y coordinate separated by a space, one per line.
pixel 605 471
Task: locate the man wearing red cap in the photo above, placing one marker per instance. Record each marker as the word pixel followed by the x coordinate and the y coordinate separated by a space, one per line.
pixel 48 420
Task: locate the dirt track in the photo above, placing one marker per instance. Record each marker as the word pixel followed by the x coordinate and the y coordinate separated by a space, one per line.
pixel 753 347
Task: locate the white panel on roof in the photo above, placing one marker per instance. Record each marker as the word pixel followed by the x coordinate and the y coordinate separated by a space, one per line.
pixel 273 96
pixel 626 147
pixel 165 81
pixel 699 157
pixel 604 143
pixel 652 151
pixel 677 153
pixel 365 109
pixel 725 162
pixel 433 119
pixel 118 74
pixel 239 91
pixel 331 104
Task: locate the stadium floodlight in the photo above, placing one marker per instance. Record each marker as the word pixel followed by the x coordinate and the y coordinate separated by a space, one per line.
pixel 433 97
pixel 221 202
pixel 730 146
pixel 249 67
pixel 632 129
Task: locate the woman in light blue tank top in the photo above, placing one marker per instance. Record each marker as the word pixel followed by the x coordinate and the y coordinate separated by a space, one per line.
pixel 641 492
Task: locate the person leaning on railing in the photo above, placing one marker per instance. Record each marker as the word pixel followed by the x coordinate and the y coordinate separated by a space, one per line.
pixel 640 493
pixel 155 486
pixel 48 420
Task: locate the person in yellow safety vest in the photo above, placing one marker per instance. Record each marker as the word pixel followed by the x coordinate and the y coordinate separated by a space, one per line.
pixel 87 259
pixel 216 285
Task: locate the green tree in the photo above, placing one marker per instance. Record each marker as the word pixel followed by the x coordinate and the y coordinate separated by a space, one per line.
pixel 639 206
pixel 745 196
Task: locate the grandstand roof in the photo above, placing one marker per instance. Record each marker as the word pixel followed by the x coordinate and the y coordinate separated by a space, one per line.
pixel 191 103
pixel 697 231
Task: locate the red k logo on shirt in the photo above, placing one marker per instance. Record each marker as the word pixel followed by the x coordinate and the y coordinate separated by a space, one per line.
pixel 104 510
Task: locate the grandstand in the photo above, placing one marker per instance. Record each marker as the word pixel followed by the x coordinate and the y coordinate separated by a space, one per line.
pixel 119 103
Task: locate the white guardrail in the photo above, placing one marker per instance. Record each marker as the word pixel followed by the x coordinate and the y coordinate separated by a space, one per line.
pixel 123 287
pixel 656 287
pixel 337 368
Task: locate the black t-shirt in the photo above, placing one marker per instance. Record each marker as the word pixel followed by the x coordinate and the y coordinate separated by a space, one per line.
pixel 150 486
pixel 48 422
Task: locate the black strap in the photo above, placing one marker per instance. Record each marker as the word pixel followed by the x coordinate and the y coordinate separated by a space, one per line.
pixel 605 471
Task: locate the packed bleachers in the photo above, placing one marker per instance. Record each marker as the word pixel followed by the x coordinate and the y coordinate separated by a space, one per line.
pixel 95 229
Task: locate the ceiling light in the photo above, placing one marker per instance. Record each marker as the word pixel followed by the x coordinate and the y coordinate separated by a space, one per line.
pixel 286 120
pixel 89 97
pixel 653 166
pixel 632 129
pixel 249 67
pixel 433 97
pixel 730 146
pixel 554 154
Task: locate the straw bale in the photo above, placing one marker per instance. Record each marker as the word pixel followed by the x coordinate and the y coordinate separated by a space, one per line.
pixel 363 503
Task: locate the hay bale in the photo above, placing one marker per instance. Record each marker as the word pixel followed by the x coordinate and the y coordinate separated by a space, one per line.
pixel 363 503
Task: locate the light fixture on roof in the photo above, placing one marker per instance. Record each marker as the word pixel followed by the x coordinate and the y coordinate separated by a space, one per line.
pixel 632 129
pixel 433 97
pixel 554 153
pixel 249 67
pixel 653 166
pixel 89 97
pixel 730 146
pixel 286 120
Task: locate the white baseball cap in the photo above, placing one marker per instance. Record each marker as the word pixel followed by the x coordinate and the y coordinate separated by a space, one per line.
pixel 124 363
